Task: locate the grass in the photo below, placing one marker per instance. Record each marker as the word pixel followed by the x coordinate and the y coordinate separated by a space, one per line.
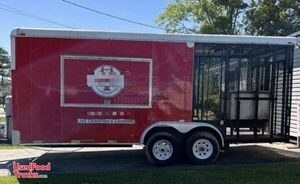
pixel 240 174
pixel 9 146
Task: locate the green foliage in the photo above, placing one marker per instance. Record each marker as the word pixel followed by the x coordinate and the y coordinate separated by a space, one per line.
pixel 272 17
pixel 5 81
pixel 254 17
pixel 202 16
pixel 4 63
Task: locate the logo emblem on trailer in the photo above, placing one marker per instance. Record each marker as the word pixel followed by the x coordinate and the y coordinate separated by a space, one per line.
pixel 106 81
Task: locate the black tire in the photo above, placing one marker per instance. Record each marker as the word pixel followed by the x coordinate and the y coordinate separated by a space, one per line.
pixel 160 136
pixel 207 153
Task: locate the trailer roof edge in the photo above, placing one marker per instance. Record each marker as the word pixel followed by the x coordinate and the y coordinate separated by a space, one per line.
pixel 110 35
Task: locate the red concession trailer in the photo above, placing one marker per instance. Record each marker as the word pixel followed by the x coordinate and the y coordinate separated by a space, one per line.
pixel 168 92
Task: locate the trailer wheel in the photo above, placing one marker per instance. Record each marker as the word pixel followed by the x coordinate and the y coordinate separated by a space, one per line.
pixel 202 148
pixel 162 149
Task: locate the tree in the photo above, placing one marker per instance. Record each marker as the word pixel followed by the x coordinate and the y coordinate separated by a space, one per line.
pixel 5 81
pixel 260 17
pixel 203 16
pixel 272 17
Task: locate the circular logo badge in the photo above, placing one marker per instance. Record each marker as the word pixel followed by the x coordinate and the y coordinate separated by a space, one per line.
pixel 106 81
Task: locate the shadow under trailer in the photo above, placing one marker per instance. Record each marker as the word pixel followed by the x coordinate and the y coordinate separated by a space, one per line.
pixel 172 93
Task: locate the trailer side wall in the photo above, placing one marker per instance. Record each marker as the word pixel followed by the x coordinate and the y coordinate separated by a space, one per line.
pixel 40 116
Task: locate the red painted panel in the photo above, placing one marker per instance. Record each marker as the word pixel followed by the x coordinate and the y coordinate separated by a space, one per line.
pixel 134 89
pixel 38 114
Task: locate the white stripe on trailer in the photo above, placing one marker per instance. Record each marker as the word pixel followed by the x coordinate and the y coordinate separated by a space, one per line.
pixel 163 37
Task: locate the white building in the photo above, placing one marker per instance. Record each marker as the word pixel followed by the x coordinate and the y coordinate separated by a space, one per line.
pixel 295 113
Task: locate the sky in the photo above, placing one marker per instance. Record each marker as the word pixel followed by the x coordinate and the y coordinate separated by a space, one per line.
pixel 144 11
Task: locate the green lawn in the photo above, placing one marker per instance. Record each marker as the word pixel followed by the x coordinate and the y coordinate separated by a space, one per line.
pixel 239 174
pixel 9 146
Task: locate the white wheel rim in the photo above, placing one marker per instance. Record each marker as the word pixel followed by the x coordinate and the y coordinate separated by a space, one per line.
pixel 202 149
pixel 162 150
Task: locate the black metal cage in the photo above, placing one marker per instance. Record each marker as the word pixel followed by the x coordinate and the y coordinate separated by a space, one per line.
pixel 245 89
